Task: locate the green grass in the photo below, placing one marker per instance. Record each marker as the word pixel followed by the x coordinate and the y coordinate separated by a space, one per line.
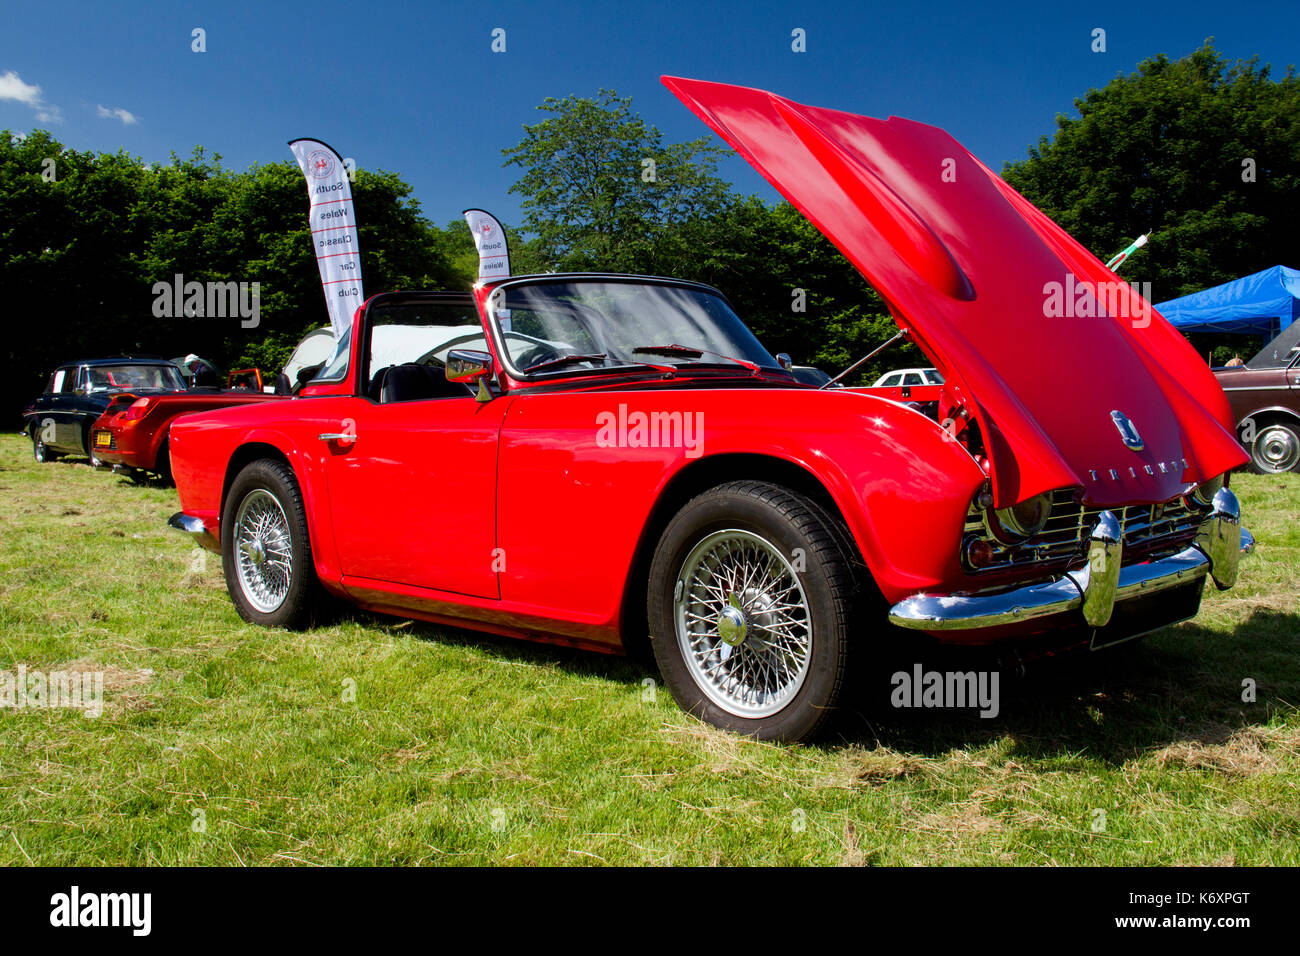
pixel 461 748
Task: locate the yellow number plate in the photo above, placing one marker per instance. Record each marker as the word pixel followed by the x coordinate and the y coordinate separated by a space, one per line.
pixel 103 438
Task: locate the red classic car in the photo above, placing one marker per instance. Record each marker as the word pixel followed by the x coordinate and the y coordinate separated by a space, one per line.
pixel 132 433
pixel 590 459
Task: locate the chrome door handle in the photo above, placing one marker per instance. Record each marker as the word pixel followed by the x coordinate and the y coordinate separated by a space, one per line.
pixel 337 436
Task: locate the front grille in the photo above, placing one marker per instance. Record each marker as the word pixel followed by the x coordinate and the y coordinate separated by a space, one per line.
pixel 1149 532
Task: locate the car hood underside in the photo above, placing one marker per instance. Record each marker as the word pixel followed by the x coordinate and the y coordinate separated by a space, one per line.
pixel 969 267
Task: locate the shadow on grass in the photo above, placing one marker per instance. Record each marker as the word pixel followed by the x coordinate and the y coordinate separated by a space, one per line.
pixel 572 660
pixel 1183 684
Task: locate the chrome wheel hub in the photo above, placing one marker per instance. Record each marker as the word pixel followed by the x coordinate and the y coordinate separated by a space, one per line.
pixel 1278 450
pixel 263 551
pixel 744 626
pixel 731 625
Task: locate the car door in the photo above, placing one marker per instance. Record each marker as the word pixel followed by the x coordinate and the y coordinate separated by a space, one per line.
pixel 85 405
pixel 60 410
pixel 412 488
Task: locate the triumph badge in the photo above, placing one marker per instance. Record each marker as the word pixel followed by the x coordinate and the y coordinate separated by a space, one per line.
pixel 1132 440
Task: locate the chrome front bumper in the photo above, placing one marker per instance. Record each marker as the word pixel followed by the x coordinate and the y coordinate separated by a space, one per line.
pixel 1095 589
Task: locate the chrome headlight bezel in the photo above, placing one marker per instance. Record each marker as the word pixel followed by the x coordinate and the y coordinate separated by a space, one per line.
pixel 1023 520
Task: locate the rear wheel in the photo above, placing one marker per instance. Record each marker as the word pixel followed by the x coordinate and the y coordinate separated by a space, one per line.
pixel 163 464
pixel 750 601
pixel 88 438
pixel 1276 449
pixel 265 549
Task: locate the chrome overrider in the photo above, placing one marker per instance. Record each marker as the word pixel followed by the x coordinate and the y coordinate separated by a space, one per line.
pixel 1095 588
pixel 196 529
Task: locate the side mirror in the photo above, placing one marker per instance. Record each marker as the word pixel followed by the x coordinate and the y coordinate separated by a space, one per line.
pixel 470 365
pixel 783 359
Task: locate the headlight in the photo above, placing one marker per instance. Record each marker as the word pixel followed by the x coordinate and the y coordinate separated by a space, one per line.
pixel 1202 495
pixel 1026 519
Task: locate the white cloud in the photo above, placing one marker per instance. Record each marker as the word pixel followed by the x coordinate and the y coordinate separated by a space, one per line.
pixel 12 87
pixel 126 116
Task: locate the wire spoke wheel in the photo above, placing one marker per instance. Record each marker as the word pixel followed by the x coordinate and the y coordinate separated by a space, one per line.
pixel 743 623
pixel 263 550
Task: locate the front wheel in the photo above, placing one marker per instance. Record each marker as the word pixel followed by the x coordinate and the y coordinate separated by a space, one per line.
pixel 751 595
pixel 265 549
pixel 1276 449
pixel 41 451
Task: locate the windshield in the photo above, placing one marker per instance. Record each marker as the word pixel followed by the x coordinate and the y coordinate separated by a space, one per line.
pixel 592 324
pixel 102 378
pixel 337 364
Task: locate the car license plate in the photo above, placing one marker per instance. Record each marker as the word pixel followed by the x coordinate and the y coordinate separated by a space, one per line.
pixel 103 438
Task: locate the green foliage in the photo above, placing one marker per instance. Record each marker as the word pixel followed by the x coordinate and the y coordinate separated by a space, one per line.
pixel 84 240
pixel 591 200
pixel 1163 148
pixel 588 207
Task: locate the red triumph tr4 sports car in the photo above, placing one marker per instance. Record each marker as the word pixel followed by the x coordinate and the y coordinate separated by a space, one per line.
pixel 591 459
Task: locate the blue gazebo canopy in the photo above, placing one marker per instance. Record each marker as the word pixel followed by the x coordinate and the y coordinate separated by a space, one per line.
pixel 1261 304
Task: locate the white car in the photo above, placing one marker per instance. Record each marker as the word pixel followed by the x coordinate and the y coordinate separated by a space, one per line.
pixel 909 376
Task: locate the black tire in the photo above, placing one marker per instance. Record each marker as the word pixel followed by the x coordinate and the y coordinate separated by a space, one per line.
pixel 302 598
pixel 806 553
pixel 163 465
pixel 41 451
pixel 1276 448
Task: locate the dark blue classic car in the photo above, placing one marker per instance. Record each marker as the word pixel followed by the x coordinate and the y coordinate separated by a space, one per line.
pixel 77 393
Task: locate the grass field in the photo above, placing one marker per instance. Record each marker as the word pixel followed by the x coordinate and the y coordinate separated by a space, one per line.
pixel 221 743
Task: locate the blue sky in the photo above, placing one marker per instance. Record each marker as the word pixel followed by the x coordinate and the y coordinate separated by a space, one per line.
pixel 415 87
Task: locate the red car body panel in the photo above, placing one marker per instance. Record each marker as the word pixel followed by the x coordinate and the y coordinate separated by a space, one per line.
pixel 380 537
pixel 964 262
pixel 137 441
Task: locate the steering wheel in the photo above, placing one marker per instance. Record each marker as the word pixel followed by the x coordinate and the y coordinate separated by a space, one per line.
pixel 536 356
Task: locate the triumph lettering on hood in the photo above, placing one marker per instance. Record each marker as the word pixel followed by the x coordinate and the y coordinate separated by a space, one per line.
pixel 966 263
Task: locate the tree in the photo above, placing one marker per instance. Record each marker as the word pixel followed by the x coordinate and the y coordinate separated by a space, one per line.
pixel 84 237
pixel 602 191
pixel 1205 152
